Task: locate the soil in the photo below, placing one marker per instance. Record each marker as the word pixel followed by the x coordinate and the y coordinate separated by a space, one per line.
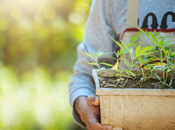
pixel 148 84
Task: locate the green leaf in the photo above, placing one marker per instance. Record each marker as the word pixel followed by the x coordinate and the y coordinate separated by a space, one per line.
pixel 131 73
pixel 137 49
pixel 92 63
pixel 101 54
pixel 156 76
pixel 126 61
pixel 155 48
pixel 136 37
pixel 112 58
pixel 97 53
pixel 118 43
pixel 163 49
pixel 106 64
pixel 132 37
pixel 147 33
pixel 145 54
pixel 130 44
pixel 125 46
pixel 87 54
pixel 161 42
pixel 93 53
pixel 140 59
pixel 121 52
pixel 157 33
pixel 154 38
pixel 135 66
pixel 116 54
pixel 169 53
pixel 116 70
pixel 168 70
pixel 166 37
pixel 148 36
pixel 117 74
pixel 145 49
pixel 168 43
pixel 141 30
pixel 126 76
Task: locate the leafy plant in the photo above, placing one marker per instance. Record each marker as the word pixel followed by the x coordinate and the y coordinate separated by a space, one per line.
pixel 157 56
pixel 165 55
pixel 95 57
pixel 130 51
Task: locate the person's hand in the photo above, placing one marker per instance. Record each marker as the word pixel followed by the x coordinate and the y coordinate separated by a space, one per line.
pixel 89 111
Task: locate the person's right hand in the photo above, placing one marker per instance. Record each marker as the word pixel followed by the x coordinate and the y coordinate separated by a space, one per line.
pixel 89 110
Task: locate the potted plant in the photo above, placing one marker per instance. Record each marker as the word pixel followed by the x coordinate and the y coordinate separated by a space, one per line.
pixel 139 95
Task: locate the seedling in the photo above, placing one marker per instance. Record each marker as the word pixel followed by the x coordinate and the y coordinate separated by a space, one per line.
pixel 95 57
pixel 157 56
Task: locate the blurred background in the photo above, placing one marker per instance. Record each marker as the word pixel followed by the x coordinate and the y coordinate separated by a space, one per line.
pixel 38 40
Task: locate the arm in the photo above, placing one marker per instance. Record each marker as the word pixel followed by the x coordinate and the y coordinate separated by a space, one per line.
pixel 97 32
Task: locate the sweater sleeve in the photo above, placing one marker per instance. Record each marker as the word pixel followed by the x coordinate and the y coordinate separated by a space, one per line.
pixel 97 32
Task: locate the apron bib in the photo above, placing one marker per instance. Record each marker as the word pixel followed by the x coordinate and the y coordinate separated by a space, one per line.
pixel 131 22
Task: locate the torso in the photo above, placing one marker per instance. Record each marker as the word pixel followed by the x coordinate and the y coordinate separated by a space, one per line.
pixel 157 14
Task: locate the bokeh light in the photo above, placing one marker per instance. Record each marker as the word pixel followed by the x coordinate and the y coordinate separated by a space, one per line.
pixel 38 40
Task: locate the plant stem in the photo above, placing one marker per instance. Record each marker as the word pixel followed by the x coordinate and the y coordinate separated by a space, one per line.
pixel 165 84
pixel 135 84
pixel 142 76
pixel 98 68
pixel 119 80
pixel 162 64
pixel 167 71
pixel 124 63
pixel 132 60
pixel 117 84
pixel 126 82
pixel 133 81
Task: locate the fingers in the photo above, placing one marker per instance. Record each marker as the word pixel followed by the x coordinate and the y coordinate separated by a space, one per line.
pixel 92 116
pixel 97 126
pixel 93 100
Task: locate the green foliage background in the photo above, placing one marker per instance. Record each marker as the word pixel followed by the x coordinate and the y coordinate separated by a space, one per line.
pixel 38 40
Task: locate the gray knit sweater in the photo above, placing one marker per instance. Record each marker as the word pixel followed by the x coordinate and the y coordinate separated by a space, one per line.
pixel 108 17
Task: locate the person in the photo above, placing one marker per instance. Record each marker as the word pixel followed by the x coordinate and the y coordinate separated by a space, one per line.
pixel 111 18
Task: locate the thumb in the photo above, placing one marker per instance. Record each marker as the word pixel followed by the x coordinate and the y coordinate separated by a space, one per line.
pixel 93 100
